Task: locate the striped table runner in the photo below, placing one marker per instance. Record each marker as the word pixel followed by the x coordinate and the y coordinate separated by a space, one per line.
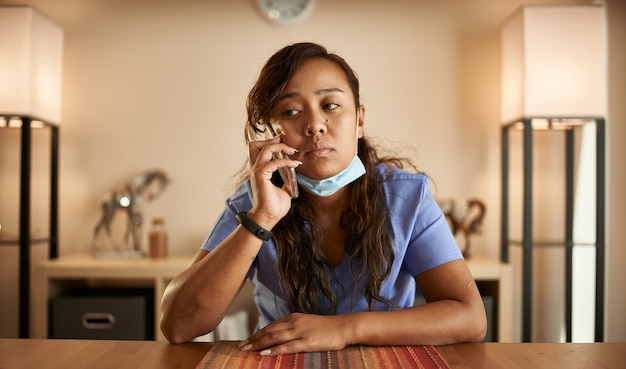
pixel 224 354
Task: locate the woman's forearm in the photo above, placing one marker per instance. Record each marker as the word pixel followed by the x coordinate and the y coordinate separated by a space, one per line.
pixel 454 313
pixel 196 300
pixel 437 323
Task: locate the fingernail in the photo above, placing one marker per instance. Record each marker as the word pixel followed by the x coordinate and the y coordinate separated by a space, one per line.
pixel 242 343
pixel 265 352
pixel 245 348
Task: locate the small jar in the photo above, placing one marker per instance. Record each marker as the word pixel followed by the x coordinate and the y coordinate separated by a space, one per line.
pixel 158 239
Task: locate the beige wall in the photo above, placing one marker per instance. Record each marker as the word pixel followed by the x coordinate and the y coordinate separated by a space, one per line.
pixel 162 84
pixel 616 173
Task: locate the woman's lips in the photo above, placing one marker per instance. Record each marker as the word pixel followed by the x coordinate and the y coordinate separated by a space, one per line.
pixel 317 149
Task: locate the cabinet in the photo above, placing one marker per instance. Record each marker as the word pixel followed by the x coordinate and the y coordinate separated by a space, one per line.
pixel 54 277
pixel 83 270
pixel 24 239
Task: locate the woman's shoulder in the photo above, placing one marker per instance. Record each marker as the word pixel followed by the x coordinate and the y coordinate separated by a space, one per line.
pixel 242 195
pixel 395 175
pixel 401 185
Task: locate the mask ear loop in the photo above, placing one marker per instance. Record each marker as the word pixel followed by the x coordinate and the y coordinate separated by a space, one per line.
pixel 357 133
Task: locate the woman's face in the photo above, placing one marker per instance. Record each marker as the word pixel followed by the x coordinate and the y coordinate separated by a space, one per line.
pixel 317 114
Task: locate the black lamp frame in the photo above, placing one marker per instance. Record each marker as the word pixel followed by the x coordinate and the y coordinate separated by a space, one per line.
pixel 24 238
pixel 527 243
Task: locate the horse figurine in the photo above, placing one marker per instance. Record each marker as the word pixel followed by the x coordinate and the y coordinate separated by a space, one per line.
pixel 464 216
pixel 145 187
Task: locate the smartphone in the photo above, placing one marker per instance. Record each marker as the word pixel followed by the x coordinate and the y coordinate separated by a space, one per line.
pixel 283 177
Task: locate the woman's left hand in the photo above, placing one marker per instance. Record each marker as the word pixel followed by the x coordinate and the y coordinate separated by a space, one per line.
pixel 299 333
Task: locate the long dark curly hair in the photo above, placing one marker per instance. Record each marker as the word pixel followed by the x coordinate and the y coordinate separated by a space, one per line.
pixel 304 269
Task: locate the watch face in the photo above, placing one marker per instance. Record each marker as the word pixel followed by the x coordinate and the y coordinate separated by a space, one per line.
pixel 286 11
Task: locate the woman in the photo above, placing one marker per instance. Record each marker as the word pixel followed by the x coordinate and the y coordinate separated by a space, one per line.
pixel 346 255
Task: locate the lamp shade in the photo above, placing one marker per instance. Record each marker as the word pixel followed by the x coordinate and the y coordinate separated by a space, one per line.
pixel 553 62
pixel 31 62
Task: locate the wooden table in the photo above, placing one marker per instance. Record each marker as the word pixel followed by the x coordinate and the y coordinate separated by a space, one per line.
pixel 98 354
pixel 78 354
pixel 535 355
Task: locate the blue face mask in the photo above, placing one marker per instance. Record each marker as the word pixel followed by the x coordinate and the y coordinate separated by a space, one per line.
pixel 329 186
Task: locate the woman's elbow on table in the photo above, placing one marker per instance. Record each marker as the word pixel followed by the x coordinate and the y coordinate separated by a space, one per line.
pixel 178 332
pixel 477 325
pixel 172 331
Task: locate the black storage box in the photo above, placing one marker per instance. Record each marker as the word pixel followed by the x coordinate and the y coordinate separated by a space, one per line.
pixel 120 314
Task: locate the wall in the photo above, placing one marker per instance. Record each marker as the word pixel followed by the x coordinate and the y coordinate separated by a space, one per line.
pixel 162 84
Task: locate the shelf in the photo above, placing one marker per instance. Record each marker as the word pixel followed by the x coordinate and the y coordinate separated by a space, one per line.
pixel 54 276
pixel 551 243
pixel 15 242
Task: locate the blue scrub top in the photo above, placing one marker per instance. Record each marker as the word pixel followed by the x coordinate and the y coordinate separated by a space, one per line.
pixel 420 235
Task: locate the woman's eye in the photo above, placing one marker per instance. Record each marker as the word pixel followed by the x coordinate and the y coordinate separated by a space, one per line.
pixel 291 112
pixel 330 106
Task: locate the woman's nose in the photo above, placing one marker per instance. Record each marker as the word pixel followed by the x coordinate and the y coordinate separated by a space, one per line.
pixel 316 125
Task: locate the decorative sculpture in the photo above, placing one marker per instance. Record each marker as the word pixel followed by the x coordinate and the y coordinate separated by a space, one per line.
pixel 144 188
pixel 464 216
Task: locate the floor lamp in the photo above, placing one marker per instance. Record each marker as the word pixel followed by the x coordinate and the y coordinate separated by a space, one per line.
pixel 553 78
pixel 31 46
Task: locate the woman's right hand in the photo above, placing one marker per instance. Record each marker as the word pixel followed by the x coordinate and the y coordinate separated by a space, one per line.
pixel 191 306
pixel 271 203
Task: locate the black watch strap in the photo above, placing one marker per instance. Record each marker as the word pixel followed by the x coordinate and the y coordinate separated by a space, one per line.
pixel 250 225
